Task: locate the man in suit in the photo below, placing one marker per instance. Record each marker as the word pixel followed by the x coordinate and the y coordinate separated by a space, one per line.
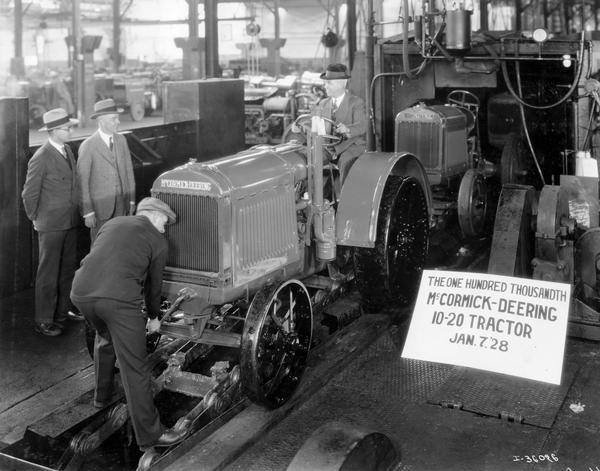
pixel 105 170
pixel 51 200
pixel 127 258
pixel 349 114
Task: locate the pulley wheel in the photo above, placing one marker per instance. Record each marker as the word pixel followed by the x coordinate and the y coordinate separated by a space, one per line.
pixel 275 342
pixel 516 164
pixel 472 203
pixel 514 232
pixel 338 446
pixel 552 208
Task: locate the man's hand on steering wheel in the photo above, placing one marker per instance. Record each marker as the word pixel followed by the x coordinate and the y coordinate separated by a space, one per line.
pixel 302 124
pixel 342 130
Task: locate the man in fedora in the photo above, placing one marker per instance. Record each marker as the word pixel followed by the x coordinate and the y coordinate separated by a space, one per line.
pixel 127 258
pixel 105 170
pixel 51 200
pixel 349 114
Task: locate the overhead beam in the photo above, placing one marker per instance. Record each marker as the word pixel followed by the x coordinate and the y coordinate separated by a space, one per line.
pixel 211 29
pixel 18 65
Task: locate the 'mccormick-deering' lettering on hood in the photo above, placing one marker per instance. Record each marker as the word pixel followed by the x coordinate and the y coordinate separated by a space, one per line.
pixel 185 184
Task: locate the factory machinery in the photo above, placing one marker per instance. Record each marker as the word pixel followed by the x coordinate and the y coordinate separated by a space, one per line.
pixel 538 98
pixel 264 241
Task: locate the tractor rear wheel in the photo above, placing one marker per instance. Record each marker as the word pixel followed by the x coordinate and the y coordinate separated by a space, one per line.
pixel 389 274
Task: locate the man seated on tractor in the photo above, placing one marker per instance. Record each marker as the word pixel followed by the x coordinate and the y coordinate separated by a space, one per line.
pixel 348 114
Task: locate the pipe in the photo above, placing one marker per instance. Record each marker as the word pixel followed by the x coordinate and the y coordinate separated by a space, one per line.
pixel 573 87
pixel 405 63
pixel 369 57
pixel 277 49
pixel 351 22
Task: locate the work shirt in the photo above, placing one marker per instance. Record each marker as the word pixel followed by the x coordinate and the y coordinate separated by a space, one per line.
pixel 127 258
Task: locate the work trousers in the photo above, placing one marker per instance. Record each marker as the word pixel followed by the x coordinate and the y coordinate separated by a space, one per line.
pixel 121 332
pixel 56 269
pixel 347 158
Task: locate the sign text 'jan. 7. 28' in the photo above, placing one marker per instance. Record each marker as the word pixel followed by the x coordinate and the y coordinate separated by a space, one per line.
pixel 497 323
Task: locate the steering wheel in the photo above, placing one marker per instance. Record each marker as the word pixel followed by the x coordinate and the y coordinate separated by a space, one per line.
pixel 464 99
pixel 304 123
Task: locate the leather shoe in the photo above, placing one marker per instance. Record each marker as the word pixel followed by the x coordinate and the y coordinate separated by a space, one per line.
pixel 109 402
pixel 171 437
pixel 75 315
pixel 49 329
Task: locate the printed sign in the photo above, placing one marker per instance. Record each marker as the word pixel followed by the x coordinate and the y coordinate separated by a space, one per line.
pixel 497 323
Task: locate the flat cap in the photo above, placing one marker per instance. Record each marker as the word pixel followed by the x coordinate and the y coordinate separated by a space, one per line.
pixel 154 204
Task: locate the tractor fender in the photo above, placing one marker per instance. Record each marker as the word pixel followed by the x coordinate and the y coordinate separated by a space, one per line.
pixel 358 207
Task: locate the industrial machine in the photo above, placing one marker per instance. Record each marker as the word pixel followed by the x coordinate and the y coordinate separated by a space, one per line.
pixel 270 106
pixel 539 102
pixel 553 235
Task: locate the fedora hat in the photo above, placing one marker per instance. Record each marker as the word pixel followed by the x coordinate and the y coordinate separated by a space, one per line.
pixel 154 204
pixel 335 72
pixel 57 118
pixel 103 107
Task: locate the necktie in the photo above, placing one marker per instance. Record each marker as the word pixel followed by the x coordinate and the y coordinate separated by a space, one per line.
pixel 334 108
pixel 66 155
pixel 110 143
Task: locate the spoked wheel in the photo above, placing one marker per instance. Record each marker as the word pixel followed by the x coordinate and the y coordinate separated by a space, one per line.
pixel 275 342
pixel 472 204
pixel 389 274
pixel 137 110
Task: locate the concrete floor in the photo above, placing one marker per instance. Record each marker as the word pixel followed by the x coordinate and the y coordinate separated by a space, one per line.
pixel 376 390
pixel 381 392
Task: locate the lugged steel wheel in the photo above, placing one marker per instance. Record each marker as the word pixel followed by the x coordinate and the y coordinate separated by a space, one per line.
pixel 275 342
pixel 389 274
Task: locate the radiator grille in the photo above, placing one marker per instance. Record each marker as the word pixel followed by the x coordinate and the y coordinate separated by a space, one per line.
pixel 266 228
pixel 194 239
pixel 421 139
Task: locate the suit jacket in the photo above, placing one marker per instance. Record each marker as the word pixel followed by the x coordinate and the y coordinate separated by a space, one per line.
pixel 127 258
pixel 105 176
pixel 51 191
pixel 351 112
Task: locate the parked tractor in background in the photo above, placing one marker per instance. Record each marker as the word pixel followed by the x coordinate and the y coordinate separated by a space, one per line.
pixel 139 93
